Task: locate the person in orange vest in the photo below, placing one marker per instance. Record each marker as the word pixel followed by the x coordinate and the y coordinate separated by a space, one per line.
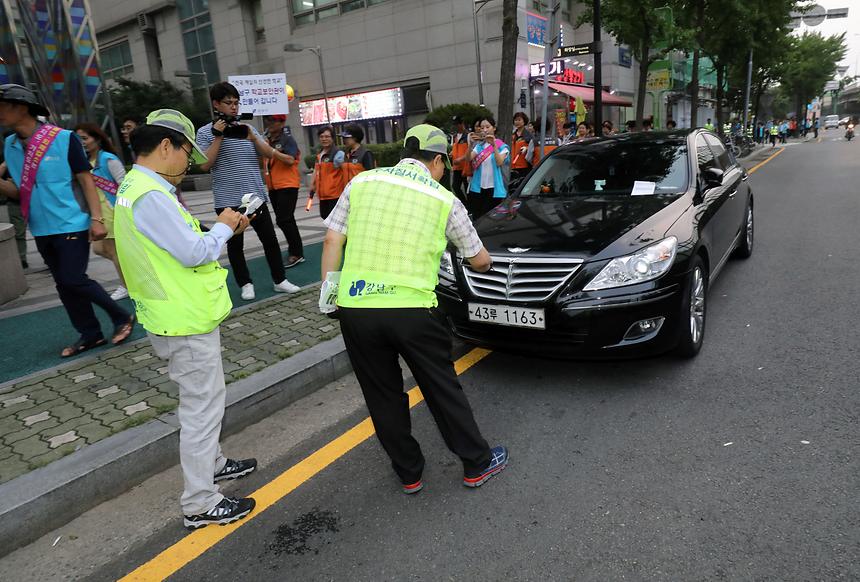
pixel 551 142
pixel 520 164
pixel 283 181
pixel 328 180
pixel 354 159
pixel 460 167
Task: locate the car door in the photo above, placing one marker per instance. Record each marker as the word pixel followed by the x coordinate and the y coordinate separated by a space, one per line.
pixel 713 223
pixel 734 208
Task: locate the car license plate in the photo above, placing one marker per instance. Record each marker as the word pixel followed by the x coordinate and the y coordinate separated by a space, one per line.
pixel 507 315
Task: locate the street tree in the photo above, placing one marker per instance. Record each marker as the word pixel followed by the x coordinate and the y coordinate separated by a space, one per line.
pixel 811 62
pixel 507 80
pixel 138 98
pixel 639 24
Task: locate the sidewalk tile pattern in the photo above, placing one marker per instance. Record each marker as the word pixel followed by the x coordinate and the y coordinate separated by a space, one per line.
pixel 52 414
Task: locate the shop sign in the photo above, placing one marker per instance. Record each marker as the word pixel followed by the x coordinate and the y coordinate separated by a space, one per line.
pixel 659 80
pixel 356 107
pixel 536 28
pixel 625 57
pixel 571 76
pixel 262 94
pixel 555 68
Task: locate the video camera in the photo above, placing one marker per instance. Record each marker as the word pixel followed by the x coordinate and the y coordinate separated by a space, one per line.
pixel 234 129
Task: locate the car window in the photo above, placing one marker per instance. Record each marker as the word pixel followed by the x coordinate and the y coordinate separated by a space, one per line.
pixel 723 160
pixel 611 167
pixel 704 155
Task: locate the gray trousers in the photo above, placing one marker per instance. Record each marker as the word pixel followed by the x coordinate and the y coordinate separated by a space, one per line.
pixel 195 365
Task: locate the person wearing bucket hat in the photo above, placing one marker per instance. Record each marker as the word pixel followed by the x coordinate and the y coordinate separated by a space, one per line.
pixel 51 176
pixel 174 278
pixel 393 224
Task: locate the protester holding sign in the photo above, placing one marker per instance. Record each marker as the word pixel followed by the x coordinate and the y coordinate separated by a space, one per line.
pixel 108 173
pixel 59 199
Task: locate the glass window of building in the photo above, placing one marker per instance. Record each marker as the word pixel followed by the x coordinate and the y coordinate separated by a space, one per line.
pixel 310 11
pixel 116 60
pixel 199 42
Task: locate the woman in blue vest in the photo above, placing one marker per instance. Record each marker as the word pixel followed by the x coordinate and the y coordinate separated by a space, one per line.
pixel 489 157
pixel 108 173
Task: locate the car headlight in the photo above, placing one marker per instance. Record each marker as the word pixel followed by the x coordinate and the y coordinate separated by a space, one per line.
pixel 446 267
pixel 639 267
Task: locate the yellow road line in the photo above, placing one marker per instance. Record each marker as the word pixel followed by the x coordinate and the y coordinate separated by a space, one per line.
pixel 757 166
pixel 194 544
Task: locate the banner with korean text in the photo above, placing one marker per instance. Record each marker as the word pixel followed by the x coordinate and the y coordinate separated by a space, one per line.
pixel 262 94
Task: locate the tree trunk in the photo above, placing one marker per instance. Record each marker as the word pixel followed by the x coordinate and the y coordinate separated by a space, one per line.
pixel 641 90
pixel 507 80
pixel 759 90
pixel 720 93
pixel 694 90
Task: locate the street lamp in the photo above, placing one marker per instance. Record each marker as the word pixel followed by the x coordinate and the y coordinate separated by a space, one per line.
pixel 297 48
pixel 480 4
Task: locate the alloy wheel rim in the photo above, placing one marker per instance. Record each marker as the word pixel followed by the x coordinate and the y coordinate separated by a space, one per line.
pixel 697 306
pixel 749 228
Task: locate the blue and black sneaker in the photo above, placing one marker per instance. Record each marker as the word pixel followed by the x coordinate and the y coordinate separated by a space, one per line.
pixel 498 462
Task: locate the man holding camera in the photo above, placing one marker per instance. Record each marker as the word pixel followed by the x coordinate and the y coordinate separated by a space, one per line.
pixel 234 151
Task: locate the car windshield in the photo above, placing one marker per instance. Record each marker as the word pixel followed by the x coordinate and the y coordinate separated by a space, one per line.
pixel 617 167
pixel 831 118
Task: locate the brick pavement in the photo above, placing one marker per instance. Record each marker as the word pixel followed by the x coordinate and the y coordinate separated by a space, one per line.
pixel 56 412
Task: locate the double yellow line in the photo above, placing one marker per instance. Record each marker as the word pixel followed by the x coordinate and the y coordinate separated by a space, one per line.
pixel 194 544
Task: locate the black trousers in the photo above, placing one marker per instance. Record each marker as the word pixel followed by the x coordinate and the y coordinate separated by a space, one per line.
pixel 262 225
pixel 67 257
pixel 284 204
pixel 481 202
pixel 374 338
pixel 459 185
pixel 326 206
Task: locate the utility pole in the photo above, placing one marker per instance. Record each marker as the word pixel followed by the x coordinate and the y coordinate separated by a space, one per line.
pixel 547 58
pixel 747 97
pixel 480 72
pixel 598 73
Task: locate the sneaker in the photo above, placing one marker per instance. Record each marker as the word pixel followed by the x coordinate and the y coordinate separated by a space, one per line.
pixel 229 510
pixel 413 488
pixel 236 469
pixel 293 261
pixel 286 287
pixel 498 461
pixel 120 293
pixel 248 291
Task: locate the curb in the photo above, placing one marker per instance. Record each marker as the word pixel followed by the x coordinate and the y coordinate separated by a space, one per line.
pixel 49 497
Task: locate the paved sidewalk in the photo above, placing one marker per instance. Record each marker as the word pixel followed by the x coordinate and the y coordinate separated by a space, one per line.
pixel 54 413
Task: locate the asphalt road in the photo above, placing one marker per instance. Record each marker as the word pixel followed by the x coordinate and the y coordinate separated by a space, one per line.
pixel 739 465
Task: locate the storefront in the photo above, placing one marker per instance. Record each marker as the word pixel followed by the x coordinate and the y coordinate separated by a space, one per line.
pixel 383 113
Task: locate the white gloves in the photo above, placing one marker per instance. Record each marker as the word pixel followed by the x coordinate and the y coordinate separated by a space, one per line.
pixel 328 292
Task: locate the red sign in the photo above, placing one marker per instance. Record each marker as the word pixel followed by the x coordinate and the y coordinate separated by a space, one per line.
pixel 571 76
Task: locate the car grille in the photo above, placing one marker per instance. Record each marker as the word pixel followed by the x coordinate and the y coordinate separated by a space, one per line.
pixel 521 279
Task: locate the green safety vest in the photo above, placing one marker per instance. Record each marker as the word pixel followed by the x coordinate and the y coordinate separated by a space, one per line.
pixel 397 219
pixel 170 299
pixel 709 126
pixel 774 130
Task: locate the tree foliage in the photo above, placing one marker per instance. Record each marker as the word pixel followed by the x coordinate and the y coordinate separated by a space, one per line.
pixel 811 61
pixel 441 116
pixel 137 99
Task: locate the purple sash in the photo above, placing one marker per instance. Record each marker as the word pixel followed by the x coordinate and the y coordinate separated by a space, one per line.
pixel 485 153
pixel 40 141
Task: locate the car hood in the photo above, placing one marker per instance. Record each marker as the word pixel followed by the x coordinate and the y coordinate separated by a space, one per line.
pixel 587 227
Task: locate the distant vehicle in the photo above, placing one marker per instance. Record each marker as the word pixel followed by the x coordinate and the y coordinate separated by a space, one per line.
pixel 845 121
pixel 831 121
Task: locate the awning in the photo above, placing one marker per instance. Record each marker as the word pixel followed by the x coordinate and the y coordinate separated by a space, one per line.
pixel 587 94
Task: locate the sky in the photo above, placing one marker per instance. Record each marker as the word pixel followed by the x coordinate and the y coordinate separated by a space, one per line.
pixel 850 26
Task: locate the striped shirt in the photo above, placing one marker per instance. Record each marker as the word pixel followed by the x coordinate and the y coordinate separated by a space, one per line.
pixel 236 171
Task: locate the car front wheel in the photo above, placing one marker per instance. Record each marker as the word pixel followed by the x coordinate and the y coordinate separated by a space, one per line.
pixel 693 311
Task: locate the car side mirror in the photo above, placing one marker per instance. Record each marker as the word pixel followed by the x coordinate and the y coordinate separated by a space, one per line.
pixel 713 178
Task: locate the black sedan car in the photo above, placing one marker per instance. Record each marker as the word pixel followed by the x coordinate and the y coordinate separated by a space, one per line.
pixel 606 249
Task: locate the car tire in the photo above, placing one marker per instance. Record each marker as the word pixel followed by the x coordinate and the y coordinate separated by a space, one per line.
pixel 745 248
pixel 693 311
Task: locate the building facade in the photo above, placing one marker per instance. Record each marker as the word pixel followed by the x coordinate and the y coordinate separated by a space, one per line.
pixel 422 51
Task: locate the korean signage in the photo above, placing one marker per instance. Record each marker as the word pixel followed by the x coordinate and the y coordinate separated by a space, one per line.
pixel 575 50
pixel 571 76
pixel 536 26
pixel 659 80
pixel 555 68
pixel 372 105
pixel 262 94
